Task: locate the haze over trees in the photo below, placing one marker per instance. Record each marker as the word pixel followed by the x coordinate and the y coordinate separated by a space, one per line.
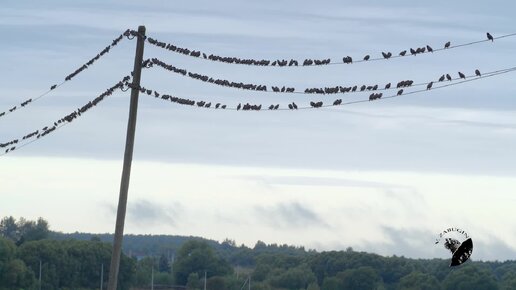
pixel 73 261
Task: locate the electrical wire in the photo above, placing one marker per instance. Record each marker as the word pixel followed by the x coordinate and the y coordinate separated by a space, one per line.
pixel 70 76
pixel 29 138
pixel 307 62
pixel 332 90
pixel 314 105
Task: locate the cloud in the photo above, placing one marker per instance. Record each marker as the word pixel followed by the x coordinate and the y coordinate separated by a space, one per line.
pixel 286 215
pixel 147 213
pixel 419 243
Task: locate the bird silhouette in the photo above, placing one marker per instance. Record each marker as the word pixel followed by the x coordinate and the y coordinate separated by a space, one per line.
pixel 294 105
pixel 290 106
pixel 366 57
pixel 412 51
pixel 239 106
pixel 388 86
pixel 447 44
pixel 400 92
pixel 448 77
pixel 276 107
pixel 490 37
pixel 477 73
pixel 441 78
pixel 429 86
pixel 429 48
pixel 271 107
pixel 217 105
pixel 462 76
pixel 402 53
pixel 53 87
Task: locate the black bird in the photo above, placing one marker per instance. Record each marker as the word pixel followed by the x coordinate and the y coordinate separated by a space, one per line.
pixel 53 87
pixel 412 51
pixel 400 92
pixel 403 53
pixel 386 55
pixel 276 107
pixel 223 106
pixel 294 105
pixel 337 102
pixel 441 78
pixel 217 105
pixel 429 86
pixel 447 44
pixel 271 107
pixel 362 88
pixel 388 86
pixel 490 37
pixel 477 73
pixel 448 77
pixel 429 48
pixel 366 57
pixel 290 106
pixel 462 76
pixel 239 106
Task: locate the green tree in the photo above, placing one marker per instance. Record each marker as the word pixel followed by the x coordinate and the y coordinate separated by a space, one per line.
pixel 164 265
pixel 331 283
pixel 196 257
pixel 362 278
pixel 294 278
pixel 9 229
pixel 419 281
pixel 193 282
pixel 470 277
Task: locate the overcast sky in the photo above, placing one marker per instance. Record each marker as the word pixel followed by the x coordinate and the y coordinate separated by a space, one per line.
pixel 383 177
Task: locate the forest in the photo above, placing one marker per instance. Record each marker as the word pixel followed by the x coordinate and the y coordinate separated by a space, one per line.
pixel 80 260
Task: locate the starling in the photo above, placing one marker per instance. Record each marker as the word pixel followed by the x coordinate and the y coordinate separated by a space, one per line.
pixel 223 106
pixel 429 48
pixel 366 57
pixel 448 77
pixel 388 86
pixel 429 86
pixel 400 92
pixel 490 37
pixel 462 76
pixel 477 73
pixel 290 106
pixel 403 53
pixel 412 51
pixel 294 105
pixel 217 105
pixel 447 44
pixel 276 107
pixel 239 106
pixel 53 87
pixel 441 78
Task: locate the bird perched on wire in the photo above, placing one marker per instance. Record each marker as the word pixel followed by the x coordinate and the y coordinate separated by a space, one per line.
pixel 448 77
pixel 388 86
pixel 400 92
pixel 429 86
pixel 490 37
pixel 239 106
pixel 294 105
pixel 429 48
pixel 462 76
pixel 386 55
pixel 402 53
pixel 447 44
pixel 53 87
pixel 477 73
pixel 441 78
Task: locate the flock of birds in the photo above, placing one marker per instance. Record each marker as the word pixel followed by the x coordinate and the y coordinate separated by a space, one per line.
pixel 284 62
pixel 11 145
pixel 326 90
pixel 66 119
pixel 76 72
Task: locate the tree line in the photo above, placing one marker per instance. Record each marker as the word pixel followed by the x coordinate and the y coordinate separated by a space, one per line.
pixel 74 261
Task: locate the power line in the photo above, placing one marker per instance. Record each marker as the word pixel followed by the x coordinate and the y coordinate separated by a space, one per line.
pixel 71 75
pixel 38 134
pixel 309 61
pixel 331 90
pixel 313 105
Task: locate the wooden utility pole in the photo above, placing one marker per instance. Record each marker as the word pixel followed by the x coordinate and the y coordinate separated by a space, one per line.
pixel 128 157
